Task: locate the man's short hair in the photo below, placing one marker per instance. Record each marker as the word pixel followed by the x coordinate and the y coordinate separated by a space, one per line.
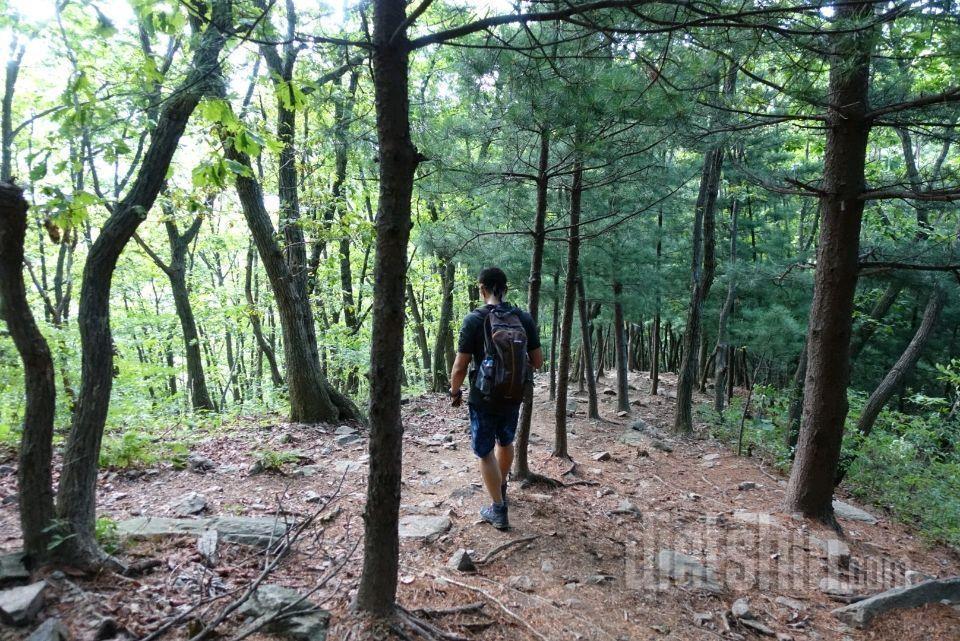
pixel 494 280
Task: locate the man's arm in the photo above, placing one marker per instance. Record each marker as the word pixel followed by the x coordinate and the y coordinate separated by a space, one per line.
pixel 458 373
pixel 536 358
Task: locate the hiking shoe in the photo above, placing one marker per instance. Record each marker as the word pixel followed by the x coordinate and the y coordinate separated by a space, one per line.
pixel 496 515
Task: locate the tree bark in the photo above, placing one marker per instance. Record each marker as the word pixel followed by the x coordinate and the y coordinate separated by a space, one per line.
pixel 77 489
pixel 810 489
pixel 623 390
pixel 904 365
pixel 655 330
pixel 420 334
pixel 256 324
pixel 566 325
pixel 555 322
pixel 521 468
pixel 702 270
pixel 723 337
pixel 6 110
pixel 448 272
pixel 35 478
pixel 586 329
pixel 398 162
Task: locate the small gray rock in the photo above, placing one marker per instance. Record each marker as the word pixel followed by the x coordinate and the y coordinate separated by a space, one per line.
pixel 461 562
pixel 312 497
pixel 835 587
pixel 50 630
pixel 546 566
pixel 207 546
pixel 847 511
pixel 12 569
pixel 19 605
pixel 747 485
pixel 347 439
pixel 793 604
pixel 306 623
pixel 416 526
pixel 189 504
pixel 601 456
pixel 741 609
pixel 521 582
pixel 343 430
pixel 200 464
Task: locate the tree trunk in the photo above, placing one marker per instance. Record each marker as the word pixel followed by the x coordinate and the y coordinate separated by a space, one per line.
pixel 521 467
pixel 566 325
pixel 77 489
pixel 312 398
pixel 904 365
pixel 398 162
pixel 702 269
pixel 420 333
pixel 448 272
pixel 586 329
pixel 810 489
pixel 6 110
pixel 253 312
pixel 796 399
pixel 553 335
pixel 723 337
pixel 655 330
pixel 35 480
pixel 623 393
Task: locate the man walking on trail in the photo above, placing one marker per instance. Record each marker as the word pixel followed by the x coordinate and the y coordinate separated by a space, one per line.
pixel 501 345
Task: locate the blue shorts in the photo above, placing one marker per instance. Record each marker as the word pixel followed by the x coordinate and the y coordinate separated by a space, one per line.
pixel 489 427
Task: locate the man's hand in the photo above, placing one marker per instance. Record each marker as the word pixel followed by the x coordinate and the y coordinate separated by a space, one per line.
pixel 456 397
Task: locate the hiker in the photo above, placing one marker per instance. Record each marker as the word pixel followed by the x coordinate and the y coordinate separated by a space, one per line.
pixel 501 345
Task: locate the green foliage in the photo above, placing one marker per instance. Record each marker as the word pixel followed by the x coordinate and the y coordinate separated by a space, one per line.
pixel 107 534
pixel 274 460
pixel 909 465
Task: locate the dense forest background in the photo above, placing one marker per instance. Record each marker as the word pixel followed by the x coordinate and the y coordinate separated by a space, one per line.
pixel 680 165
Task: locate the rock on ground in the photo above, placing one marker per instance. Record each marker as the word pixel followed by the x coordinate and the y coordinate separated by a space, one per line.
pixel 847 511
pixel 461 562
pixel 835 587
pixel 416 526
pixel 682 567
pixel 310 622
pixel 255 532
pixel 189 504
pixel 50 630
pixel 12 569
pixel 19 605
pixel 861 613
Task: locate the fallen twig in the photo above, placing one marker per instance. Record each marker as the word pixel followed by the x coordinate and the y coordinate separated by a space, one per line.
pixel 510 613
pixel 500 548
pixel 462 609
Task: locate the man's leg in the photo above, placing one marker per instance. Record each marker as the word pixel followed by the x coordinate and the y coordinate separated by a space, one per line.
pixel 505 460
pixel 490 470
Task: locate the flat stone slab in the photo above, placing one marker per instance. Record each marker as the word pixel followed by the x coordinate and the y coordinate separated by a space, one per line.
pixel 847 511
pixel 19 605
pixel 418 526
pixel 244 530
pixel 684 568
pixel 861 613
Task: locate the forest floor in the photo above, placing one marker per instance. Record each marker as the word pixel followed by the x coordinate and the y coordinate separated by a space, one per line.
pixel 583 567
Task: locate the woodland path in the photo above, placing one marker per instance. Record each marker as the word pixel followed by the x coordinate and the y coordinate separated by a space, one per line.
pixel 585 573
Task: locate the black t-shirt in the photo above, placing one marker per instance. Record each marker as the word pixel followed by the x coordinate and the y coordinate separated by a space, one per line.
pixel 471 342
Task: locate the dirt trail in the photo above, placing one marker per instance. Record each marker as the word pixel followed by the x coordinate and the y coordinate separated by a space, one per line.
pixel 588 570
